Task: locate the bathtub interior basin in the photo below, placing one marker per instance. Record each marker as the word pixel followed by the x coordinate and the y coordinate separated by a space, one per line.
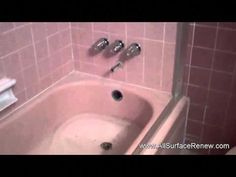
pixel 81 113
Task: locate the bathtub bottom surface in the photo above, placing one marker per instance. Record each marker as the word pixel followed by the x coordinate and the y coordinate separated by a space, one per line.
pixel 84 134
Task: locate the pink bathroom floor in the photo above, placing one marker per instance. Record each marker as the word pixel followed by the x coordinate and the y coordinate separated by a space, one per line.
pixel 84 133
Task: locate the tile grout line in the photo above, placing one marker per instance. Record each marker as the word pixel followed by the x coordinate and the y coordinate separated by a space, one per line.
pixel 190 56
pixel 34 51
pixel 72 50
pixel 162 56
pixel 144 49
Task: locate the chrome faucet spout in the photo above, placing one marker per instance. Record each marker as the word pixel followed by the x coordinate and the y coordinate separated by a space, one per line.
pixel 115 67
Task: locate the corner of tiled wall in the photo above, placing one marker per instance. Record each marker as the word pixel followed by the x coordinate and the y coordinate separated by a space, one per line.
pixel 36 55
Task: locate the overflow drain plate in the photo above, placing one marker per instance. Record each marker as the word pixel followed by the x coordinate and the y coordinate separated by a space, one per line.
pixel 106 146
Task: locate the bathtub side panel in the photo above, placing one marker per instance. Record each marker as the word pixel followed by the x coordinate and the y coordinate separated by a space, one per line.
pixel 176 134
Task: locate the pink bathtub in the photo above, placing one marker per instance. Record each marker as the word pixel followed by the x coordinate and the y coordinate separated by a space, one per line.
pixel 81 112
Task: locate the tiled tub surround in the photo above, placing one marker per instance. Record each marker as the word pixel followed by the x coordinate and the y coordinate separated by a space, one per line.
pixel 36 55
pixel 40 122
pixel 39 54
pixel 210 77
pixel 153 68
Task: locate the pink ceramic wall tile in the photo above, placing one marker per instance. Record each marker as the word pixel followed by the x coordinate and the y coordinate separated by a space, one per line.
pixel 57 74
pixel 24 56
pixel 211 134
pixel 51 28
pixel 224 61
pixel 12 63
pixel 68 67
pixel 215 116
pixel 32 90
pixel 44 67
pixel 189 34
pixel 221 81
pixel 210 24
pixel 66 54
pixel 226 40
pixel 197 95
pixel 23 36
pixel 6 26
pixel 154 30
pixel 202 57
pixel 27 57
pixel 45 82
pixel 170 32
pixel 199 77
pixel 54 43
pixel 77 65
pixel 117 28
pixel 30 76
pixel 205 37
pixel 2 71
pixel 97 35
pixel 135 29
pixel 100 26
pixel 63 26
pixel 168 66
pixel 194 128
pixel 218 99
pixel 8 43
pixel 82 25
pixel 231 110
pixel 39 31
pixel 64 38
pixel 196 112
pixel 135 78
pixel 230 25
pixel 56 60
pixel 41 49
pixel 82 54
pixel 82 37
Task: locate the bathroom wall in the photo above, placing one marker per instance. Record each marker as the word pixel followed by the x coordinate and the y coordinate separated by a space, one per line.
pixel 153 68
pixel 36 55
pixel 210 80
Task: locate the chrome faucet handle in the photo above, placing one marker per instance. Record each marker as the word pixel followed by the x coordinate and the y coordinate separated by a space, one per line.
pixel 101 44
pixel 117 46
pixel 133 50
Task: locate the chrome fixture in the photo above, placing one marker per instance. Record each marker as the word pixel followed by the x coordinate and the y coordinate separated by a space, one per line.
pixel 133 50
pixel 100 44
pixel 117 46
pixel 118 65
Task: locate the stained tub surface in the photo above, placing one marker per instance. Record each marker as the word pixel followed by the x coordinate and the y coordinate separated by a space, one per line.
pixel 78 114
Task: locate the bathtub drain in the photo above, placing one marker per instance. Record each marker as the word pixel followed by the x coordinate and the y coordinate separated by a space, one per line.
pixel 117 95
pixel 106 145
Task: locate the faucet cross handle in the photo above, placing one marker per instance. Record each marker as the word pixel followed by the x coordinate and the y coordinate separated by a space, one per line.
pixel 133 50
pixel 117 46
pixel 101 44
